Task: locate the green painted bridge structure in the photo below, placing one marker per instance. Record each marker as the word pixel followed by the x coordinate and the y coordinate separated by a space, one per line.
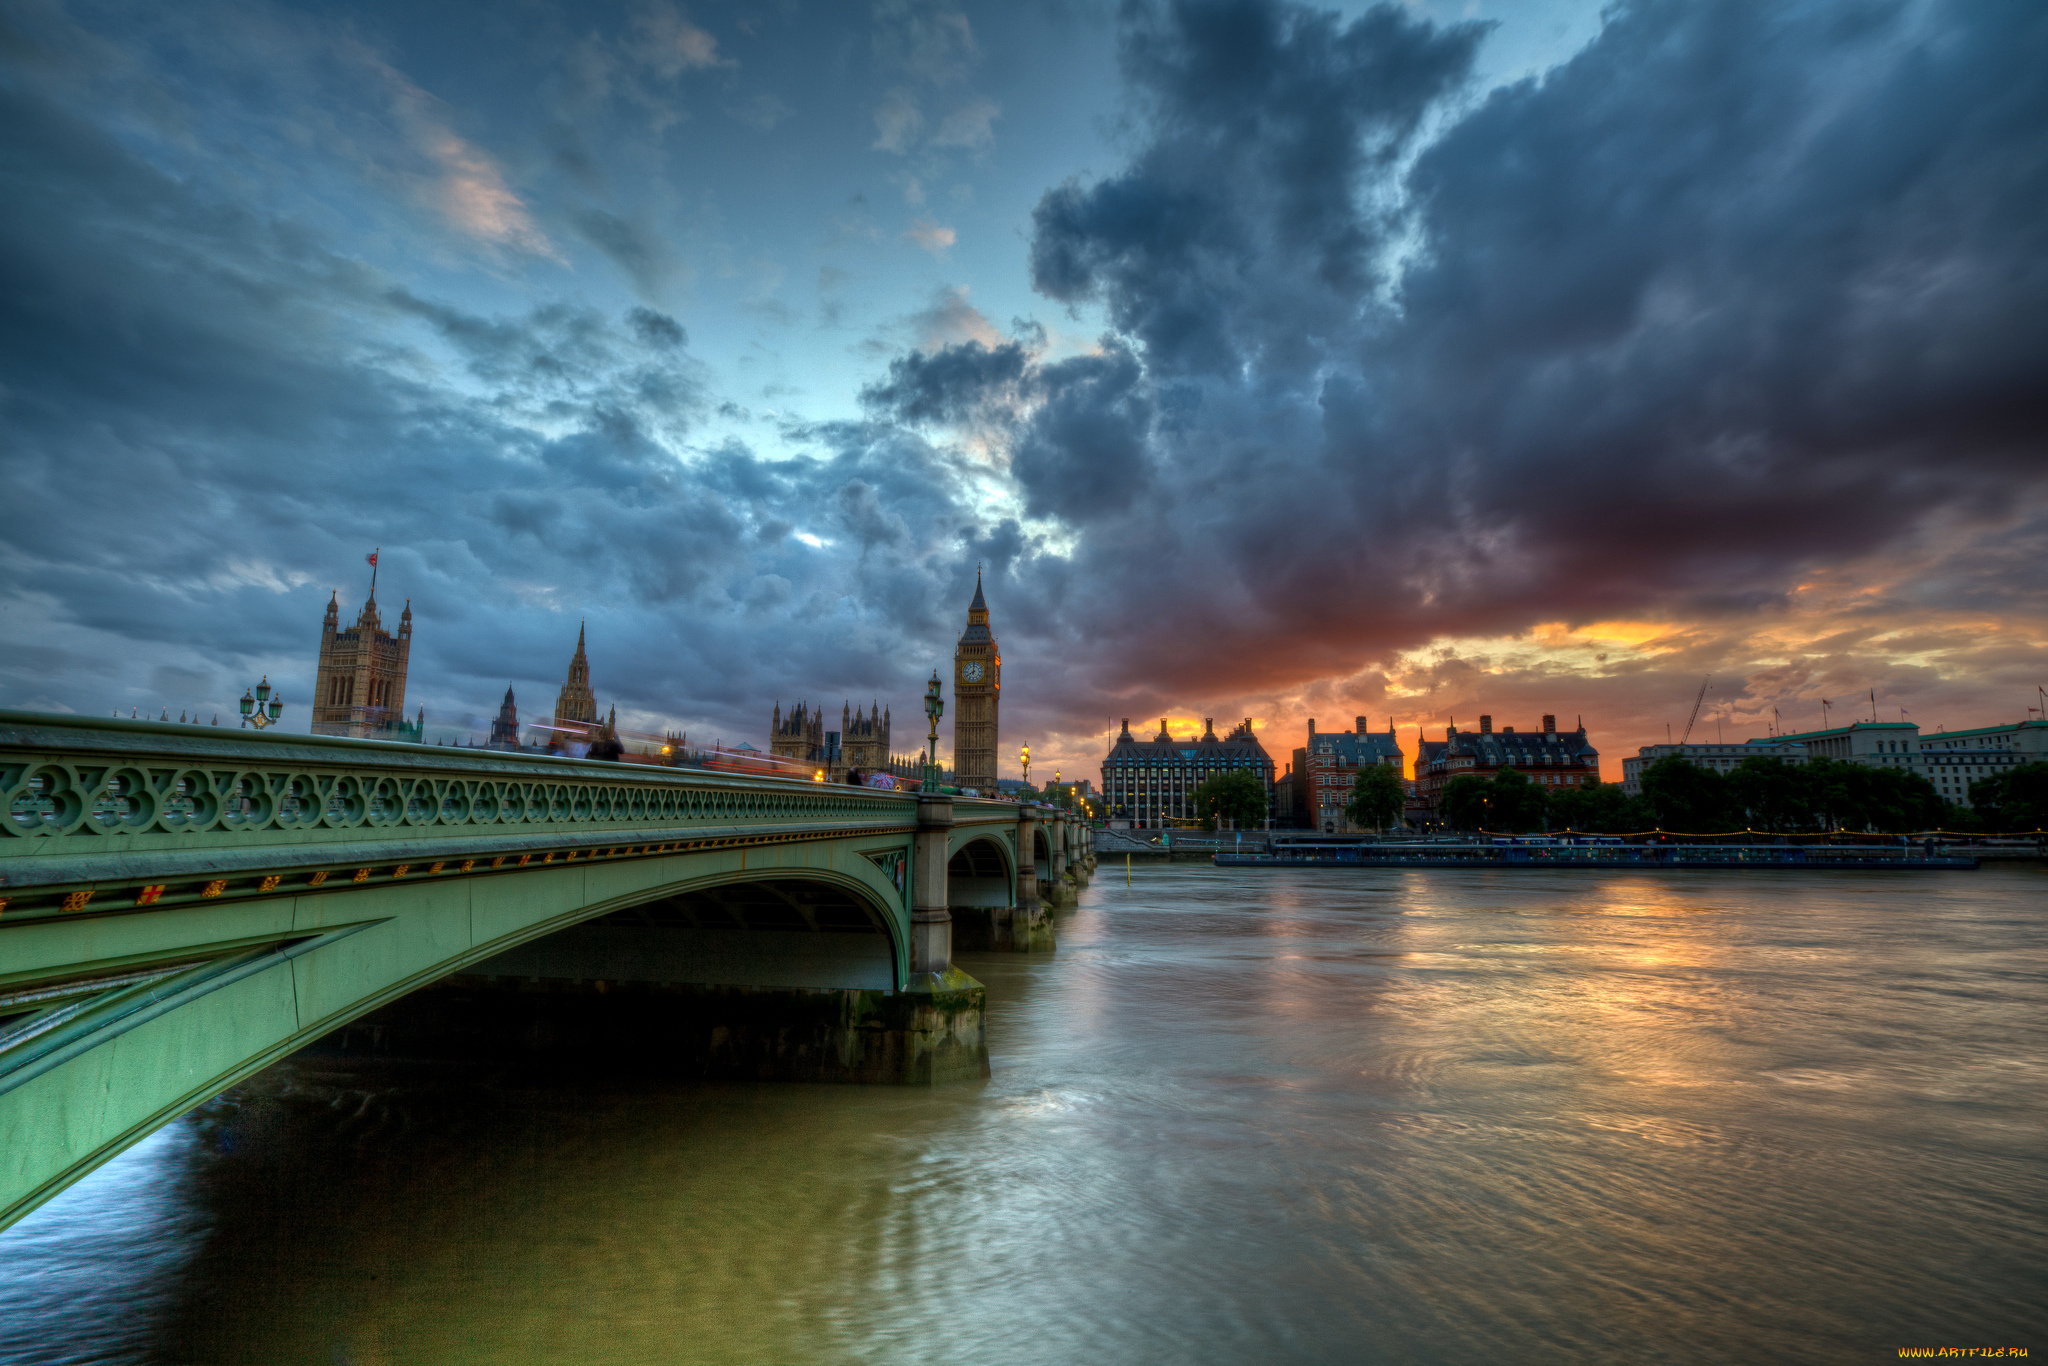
pixel 181 906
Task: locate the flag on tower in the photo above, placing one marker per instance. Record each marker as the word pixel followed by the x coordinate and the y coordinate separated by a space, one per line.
pixel 371 559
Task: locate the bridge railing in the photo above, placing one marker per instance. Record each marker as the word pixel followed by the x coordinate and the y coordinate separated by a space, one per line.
pixel 90 801
pixel 143 782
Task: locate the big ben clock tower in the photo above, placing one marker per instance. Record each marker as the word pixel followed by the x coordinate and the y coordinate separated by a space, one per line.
pixel 977 688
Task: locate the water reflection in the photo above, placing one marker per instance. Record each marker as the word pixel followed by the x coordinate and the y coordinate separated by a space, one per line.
pixel 1313 1115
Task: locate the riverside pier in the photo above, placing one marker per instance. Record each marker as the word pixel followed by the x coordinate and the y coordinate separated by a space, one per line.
pixel 1539 852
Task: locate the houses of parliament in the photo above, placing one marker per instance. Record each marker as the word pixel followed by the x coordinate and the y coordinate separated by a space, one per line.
pixel 861 744
pixel 359 690
pixel 359 687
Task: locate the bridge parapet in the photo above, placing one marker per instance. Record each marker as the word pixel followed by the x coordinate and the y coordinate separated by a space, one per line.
pixel 88 806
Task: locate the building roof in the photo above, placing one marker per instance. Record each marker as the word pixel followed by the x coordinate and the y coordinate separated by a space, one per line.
pixel 977 631
pixel 1800 737
pixel 2031 723
pixel 1240 743
pixel 1508 747
pixel 1354 748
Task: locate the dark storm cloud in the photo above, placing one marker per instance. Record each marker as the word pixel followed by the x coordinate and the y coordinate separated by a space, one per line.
pixel 1242 226
pixel 1085 452
pixel 1739 289
pixel 955 384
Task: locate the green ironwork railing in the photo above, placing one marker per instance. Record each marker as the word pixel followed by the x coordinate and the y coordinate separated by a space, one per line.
pixel 139 784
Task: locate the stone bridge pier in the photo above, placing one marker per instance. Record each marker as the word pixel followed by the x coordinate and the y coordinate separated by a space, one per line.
pixel 995 884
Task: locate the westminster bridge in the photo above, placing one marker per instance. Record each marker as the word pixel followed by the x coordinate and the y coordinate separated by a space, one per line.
pixel 182 907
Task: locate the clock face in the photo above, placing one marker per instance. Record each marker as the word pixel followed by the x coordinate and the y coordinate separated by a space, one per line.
pixel 971 671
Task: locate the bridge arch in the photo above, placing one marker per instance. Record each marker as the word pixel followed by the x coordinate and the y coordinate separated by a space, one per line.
pixel 982 872
pixel 799 928
pixel 206 1000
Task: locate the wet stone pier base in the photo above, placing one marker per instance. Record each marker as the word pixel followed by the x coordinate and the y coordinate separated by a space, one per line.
pixel 999 929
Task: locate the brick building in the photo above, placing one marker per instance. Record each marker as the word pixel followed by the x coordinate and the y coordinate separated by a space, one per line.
pixel 1326 769
pixel 1550 758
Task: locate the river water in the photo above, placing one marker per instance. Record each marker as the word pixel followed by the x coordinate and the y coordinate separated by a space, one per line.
pixel 1304 1115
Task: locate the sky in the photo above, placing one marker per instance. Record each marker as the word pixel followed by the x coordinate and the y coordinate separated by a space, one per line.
pixel 1414 362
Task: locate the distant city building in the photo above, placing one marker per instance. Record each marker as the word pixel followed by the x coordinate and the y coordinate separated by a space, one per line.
pixel 1551 758
pixel 1421 808
pixel 505 730
pixel 1953 759
pixel 977 695
pixel 359 685
pixel 1719 758
pixel 1152 782
pixel 1881 744
pixel 1289 811
pixel 861 742
pixel 799 736
pixel 1326 771
pixel 577 702
pixel 1950 760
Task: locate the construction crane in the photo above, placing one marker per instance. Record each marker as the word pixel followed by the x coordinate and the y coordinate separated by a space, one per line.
pixel 1690 721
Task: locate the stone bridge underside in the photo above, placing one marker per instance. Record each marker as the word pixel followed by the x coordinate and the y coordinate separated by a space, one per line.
pixel 180 907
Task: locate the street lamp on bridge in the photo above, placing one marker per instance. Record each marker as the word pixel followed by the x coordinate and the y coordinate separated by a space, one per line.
pixel 254 708
pixel 934 707
pixel 1027 766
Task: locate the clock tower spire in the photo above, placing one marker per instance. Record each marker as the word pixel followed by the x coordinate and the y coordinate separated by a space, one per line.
pixel 977 690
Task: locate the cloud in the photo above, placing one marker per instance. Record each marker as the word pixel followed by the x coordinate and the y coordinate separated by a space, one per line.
pixel 469 188
pixel 1660 334
pixel 670 44
pixel 928 52
pixel 950 318
pixel 1720 348
pixel 970 125
pixel 519 469
pixel 898 121
pixel 953 386
pixel 932 237
pixel 761 111
pixel 634 248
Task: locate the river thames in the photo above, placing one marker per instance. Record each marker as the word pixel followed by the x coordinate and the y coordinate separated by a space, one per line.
pixel 1298 1115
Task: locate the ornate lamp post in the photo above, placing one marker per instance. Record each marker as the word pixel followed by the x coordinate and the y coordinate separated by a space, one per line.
pixel 1027 766
pixel 262 709
pixel 934 707
pixel 1056 785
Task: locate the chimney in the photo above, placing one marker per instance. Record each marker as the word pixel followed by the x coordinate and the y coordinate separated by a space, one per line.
pixel 1486 725
pixel 1550 725
pixel 1361 725
pixel 1311 727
